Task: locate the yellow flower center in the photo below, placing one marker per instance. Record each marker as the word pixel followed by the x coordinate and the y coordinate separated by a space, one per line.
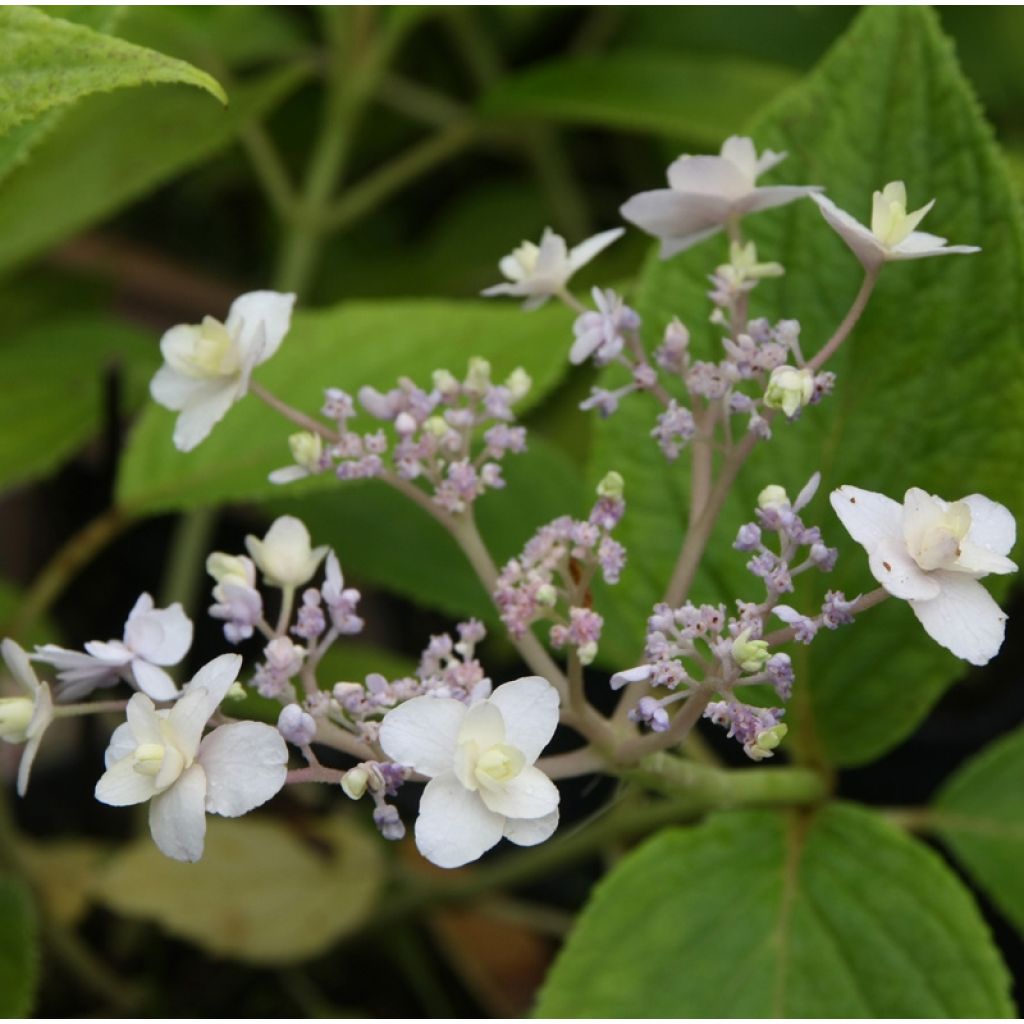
pixel 149 758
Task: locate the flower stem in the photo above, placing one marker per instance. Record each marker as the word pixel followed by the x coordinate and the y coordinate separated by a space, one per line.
pixel 849 321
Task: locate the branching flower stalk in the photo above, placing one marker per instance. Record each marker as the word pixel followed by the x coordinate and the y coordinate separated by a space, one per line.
pixel 442 444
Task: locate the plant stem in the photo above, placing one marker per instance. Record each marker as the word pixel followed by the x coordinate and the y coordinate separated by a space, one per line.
pixel 185 567
pixel 62 568
pixel 849 321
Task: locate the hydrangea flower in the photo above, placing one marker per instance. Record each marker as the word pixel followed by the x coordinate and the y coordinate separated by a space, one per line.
pixel 207 366
pixel 286 556
pixel 892 235
pixel 480 762
pixel 932 553
pixel 162 757
pixel 24 719
pixel 706 192
pixel 538 272
pixel 152 637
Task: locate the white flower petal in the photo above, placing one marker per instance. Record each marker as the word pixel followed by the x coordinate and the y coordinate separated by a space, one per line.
pixel 28 757
pixel 260 319
pixel 675 217
pixel 919 244
pixel 171 389
pixel 122 744
pixel 202 696
pixel 893 567
pixel 483 725
pixel 671 246
pixel 162 636
pixel 740 150
pixel 288 475
pixel 861 241
pixel 246 763
pixel 531 794
pixel 206 407
pixel 868 517
pixel 454 827
pixel 709 176
pixel 530 709
pixel 143 721
pixel 581 254
pixel 19 666
pixel 963 618
pixel 992 525
pixel 531 831
pixel 153 681
pixel 122 786
pixel 422 734
pixel 112 654
pixel 552 266
pixel 177 817
pixel 770 196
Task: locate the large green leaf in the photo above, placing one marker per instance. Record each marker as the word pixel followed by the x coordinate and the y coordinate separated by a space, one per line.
pixel 109 150
pixel 980 814
pixel 48 62
pixel 381 536
pixel 347 346
pixel 931 385
pixel 696 98
pixel 55 377
pixel 757 914
pixel 19 956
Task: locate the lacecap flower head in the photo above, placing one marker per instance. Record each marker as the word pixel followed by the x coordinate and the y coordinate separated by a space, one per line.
pixel 480 762
pixel 932 553
pixel 706 192
pixel 207 366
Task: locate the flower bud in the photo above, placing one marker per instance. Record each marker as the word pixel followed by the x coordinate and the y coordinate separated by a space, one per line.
pixel 354 782
pixel 519 383
pixel 773 496
pixel 766 742
pixel 15 715
pixel 237 692
pixel 611 486
pixel 789 389
pixel 478 377
pixel 445 382
pixel 236 569
pixel 307 449
pixel 587 652
pixel 285 556
pixel 296 726
pixel 546 596
pixel 437 426
pixel 750 655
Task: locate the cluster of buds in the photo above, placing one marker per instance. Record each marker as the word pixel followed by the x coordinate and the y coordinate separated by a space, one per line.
pixel 448 668
pixel 433 435
pixel 379 779
pixel 550 579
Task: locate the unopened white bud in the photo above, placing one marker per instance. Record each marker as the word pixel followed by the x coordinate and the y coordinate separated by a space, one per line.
pixel 611 486
pixel 519 383
pixel 773 496
pixel 587 652
pixel 789 389
pixel 547 595
pixel 354 782
pixel 15 715
pixel 307 449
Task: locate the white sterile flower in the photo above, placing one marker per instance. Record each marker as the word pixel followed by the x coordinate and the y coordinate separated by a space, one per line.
pixel 24 719
pixel 285 556
pixel 892 235
pixel 480 762
pixel 161 756
pixel 932 553
pixel 207 366
pixel 706 192
pixel 152 637
pixel 536 272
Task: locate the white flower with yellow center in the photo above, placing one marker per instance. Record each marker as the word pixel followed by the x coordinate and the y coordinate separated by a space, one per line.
pixel 162 757
pixel 893 234
pixel 537 272
pixel 480 762
pixel 24 719
pixel 286 556
pixel 207 366
pixel 932 553
pixel 707 192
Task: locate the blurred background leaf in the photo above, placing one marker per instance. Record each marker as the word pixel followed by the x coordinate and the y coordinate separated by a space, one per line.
pixel 19 956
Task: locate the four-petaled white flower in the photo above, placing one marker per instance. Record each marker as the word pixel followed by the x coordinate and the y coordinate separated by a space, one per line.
pixel 537 272
pixel 207 366
pixel 892 235
pixel 480 762
pixel 707 192
pixel 932 553
pixel 161 756
pixel 285 556
pixel 152 637
pixel 24 719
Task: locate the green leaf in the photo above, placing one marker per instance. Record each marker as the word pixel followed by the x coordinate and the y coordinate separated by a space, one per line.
pixel 56 377
pixel 758 914
pixel 48 62
pixel 381 536
pixel 699 99
pixel 930 389
pixel 19 955
pixel 980 816
pixel 124 145
pixel 262 893
pixel 347 346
